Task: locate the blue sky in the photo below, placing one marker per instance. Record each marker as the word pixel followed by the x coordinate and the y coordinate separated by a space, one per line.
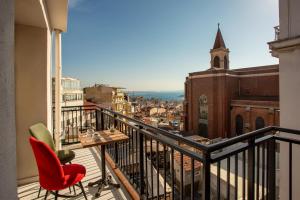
pixel 154 44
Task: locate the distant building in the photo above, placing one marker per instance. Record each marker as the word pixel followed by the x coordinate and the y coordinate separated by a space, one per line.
pixel 71 92
pixel 223 102
pixel 110 97
pixel 157 111
pixel 99 94
pixel 121 102
pixel 71 95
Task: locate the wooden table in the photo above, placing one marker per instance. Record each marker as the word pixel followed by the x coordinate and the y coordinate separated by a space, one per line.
pixel 103 138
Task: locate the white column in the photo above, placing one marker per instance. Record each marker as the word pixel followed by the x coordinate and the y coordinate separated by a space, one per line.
pixel 8 186
pixel 289 72
pixel 58 131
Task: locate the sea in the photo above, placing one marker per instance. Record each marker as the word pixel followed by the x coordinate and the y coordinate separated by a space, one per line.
pixel 162 95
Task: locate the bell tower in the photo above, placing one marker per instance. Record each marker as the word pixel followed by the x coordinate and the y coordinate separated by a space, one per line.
pixel 219 53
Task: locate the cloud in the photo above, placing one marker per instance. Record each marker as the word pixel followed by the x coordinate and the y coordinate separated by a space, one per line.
pixel 74 3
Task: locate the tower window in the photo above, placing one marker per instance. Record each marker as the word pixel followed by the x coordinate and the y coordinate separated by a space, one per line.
pixel 217 62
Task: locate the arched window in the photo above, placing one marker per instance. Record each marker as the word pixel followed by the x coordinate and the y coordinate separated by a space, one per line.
pixel 239 125
pixel 225 63
pixel 259 123
pixel 217 61
pixel 203 116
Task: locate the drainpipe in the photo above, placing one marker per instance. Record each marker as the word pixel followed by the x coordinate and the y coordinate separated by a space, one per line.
pixel 58 131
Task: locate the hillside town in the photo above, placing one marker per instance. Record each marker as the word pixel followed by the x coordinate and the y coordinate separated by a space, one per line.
pixel 157 112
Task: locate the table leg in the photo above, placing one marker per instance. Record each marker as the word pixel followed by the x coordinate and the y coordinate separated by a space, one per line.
pixel 103 172
pixel 103 162
pixel 105 180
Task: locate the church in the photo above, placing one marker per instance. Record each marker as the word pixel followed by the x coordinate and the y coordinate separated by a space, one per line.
pixel 224 102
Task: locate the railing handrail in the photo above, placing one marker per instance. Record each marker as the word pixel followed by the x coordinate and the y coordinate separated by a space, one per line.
pixel 186 152
pixel 188 141
pixel 246 136
pixel 204 147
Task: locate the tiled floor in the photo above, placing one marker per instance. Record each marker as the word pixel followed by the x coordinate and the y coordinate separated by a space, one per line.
pixel 90 158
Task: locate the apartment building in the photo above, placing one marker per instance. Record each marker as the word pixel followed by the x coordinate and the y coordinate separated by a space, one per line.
pixel 110 97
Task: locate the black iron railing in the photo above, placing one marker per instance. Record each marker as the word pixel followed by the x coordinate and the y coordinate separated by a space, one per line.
pixel 75 120
pixel 161 165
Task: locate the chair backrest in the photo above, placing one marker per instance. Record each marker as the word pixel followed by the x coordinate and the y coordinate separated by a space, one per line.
pixel 51 173
pixel 40 132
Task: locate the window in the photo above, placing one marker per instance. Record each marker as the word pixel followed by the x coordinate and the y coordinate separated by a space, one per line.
pixel 259 123
pixel 239 125
pixel 217 61
pixel 203 116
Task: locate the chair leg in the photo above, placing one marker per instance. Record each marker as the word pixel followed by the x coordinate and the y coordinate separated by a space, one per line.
pixel 74 189
pixel 73 186
pixel 39 191
pixel 56 195
pixel 46 195
pixel 83 192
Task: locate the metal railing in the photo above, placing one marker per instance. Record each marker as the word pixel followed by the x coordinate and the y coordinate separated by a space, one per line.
pixel 161 165
pixel 75 120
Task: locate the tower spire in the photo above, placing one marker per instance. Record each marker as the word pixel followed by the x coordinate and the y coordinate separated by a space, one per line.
pixel 219 42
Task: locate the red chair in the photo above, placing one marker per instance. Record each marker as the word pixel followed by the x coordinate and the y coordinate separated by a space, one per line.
pixel 52 175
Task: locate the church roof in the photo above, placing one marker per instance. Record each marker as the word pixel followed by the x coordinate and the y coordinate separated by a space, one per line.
pixel 219 42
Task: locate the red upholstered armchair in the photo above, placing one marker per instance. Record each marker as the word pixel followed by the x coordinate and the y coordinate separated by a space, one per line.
pixel 52 175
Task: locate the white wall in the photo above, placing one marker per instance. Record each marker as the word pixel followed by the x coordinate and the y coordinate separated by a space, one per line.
pixel 289 118
pixel 32 68
pixel 7 102
pixel 289 87
pixel 289 18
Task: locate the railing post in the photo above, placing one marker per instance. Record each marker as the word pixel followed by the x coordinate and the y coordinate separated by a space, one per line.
pixel 99 117
pixel 81 117
pixel 141 160
pixel 206 176
pixel 116 144
pixel 251 167
pixel 271 169
pixel 102 125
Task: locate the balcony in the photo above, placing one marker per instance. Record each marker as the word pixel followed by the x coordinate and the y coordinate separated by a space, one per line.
pixel 154 162
pixel 158 164
pixel 90 158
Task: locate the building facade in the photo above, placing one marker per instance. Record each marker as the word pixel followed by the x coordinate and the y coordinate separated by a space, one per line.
pixel 121 103
pixel 224 102
pixel 110 97
pixel 71 95
pixel 71 92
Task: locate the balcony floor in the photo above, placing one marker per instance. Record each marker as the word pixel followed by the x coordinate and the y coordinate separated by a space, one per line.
pixel 90 158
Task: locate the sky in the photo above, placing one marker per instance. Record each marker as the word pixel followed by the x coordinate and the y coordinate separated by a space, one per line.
pixel 152 45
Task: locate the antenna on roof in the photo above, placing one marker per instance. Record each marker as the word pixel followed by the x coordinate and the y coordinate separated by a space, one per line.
pixel 218 25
